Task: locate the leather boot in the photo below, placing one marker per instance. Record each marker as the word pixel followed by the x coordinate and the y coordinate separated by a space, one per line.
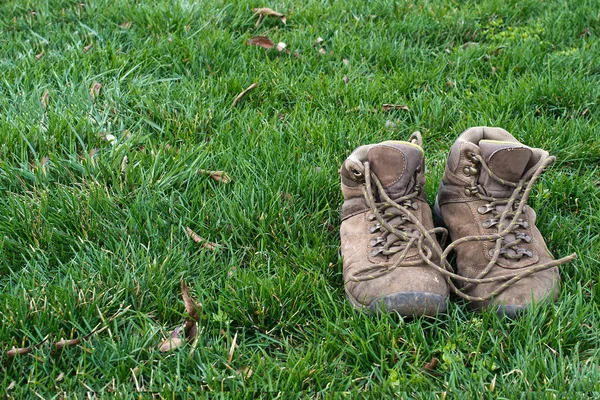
pixel 501 257
pixel 387 233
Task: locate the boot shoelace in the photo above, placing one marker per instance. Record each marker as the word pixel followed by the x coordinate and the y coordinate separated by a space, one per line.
pixel 427 246
pixel 393 218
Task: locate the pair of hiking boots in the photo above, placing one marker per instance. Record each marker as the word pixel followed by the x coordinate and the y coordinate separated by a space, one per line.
pixel 391 256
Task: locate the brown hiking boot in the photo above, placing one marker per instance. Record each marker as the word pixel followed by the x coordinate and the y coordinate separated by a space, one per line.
pixel 502 259
pixel 387 233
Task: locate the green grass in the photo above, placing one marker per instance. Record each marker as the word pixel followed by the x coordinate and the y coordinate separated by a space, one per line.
pixel 83 234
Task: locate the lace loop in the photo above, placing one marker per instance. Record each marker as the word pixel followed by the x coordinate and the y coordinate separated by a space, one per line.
pixel 427 246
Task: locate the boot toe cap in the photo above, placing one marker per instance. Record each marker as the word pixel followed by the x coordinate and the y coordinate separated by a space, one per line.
pixel 409 304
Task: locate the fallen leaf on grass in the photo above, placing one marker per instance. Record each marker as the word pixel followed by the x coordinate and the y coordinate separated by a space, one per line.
pixel 261 41
pixel 19 351
pixel 174 341
pixel 218 176
pixel 266 43
pixel 24 350
pixel 198 239
pixel 390 107
pixel 95 90
pixel 191 305
pixel 235 101
pixel 286 196
pixel 44 99
pixel 431 365
pixel 61 344
pixel 190 327
pixel 267 12
pixel 585 32
pixel 40 55
pixel 469 44
pixel 125 25
pixel 232 349
pixel 94 151
pixel 11 386
pixel 88 47
pixel 124 163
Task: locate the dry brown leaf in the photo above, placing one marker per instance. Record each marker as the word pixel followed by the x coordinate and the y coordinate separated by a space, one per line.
pixel 191 305
pixel 286 196
pixel 125 25
pixel 235 101
pixel 390 107
pixel 267 12
pixel 247 371
pixel 94 151
pixel 198 239
pixel 40 55
pixel 261 41
pixel 174 341
pixel 44 99
pixel 95 90
pixel 124 163
pixel 232 349
pixel 469 44
pixel 61 344
pixel 431 365
pixel 585 32
pixel 19 351
pixel 88 47
pixel 191 330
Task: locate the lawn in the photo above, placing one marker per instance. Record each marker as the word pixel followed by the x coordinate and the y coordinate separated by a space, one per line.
pixel 114 114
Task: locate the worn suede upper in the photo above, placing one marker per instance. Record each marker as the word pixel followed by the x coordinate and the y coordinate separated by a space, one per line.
pixel 399 166
pixel 465 214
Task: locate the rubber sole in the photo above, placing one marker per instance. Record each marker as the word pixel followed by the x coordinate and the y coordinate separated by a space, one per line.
pixel 411 304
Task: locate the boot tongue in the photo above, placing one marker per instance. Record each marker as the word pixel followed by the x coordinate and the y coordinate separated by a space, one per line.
pixel 507 161
pixel 394 163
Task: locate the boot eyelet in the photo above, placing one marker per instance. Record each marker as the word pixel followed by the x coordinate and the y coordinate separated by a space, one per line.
pixel 470 171
pixel 470 191
pixel 491 252
pixel 472 157
pixel 489 223
pixel 376 252
pixel 485 209
pixel 524 237
pixel 356 173
pixel 525 252
pixel 376 241
pixel 375 228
